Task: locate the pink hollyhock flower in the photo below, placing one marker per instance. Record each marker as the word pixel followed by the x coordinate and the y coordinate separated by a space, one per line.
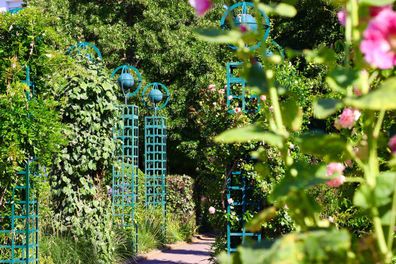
pixel 230 201
pixel 392 144
pixel 212 87
pixel 263 97
pixel 338 169
pixel 379 40
pixel 221 91
pixel 230 97
pixel 341 15
pixel 201 6
pixel 238 110
pixel 347 119
pixel 375 10
pixel 212 210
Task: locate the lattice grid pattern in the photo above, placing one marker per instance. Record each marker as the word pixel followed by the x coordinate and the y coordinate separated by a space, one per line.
pixel 125 171
pixel 155 161
pixel 237 95
pixel 240 190
pixel 19 225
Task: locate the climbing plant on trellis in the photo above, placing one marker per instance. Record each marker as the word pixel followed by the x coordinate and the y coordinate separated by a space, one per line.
pixel 125 170
pixel 156 97
pixel 20 227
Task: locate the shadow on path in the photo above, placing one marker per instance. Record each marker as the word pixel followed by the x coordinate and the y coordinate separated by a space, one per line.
pixel 197 252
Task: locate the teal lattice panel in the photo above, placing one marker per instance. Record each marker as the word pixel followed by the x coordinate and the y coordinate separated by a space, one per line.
pixel 240 191
pixel 19 226
pixel 125 172
pixel 237 96
pixel 155 161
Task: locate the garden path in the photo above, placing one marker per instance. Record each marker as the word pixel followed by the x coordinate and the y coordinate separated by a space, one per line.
pixel 196 252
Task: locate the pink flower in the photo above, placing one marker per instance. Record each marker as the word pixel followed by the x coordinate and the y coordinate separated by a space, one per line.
pixel 392 144
pixel 379 41
pixel 335 169
pixel 238 110
pixel 341 15
pixel 201 6
pixel 347 119
pixel 212 210
pixel 357 91
pixel 271 108
pixel 230 201
pixel 221 91
pixel 243 28
pixel 375 10
pixel 212 87
pixel 230 97
pixel 263 97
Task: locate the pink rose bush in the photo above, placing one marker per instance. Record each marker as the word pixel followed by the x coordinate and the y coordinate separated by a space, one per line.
pixel 201 6
pixel 379 40
pixel 212 87
pixel 212 210
pixel 332 169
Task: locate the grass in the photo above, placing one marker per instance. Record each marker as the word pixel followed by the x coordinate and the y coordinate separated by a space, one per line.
pixel 56 249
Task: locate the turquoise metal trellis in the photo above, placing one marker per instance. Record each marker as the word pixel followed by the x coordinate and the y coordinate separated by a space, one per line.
pixel 87 49
pixel 238 98
pixel 242 13
pixel 125 172
pixel 19 225
pixel 236 92
pixel 239 200
pixel 156 97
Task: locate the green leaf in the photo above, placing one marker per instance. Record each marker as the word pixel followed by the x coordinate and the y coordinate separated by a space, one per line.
pixel 322 55
pixel 330 147
pixel 377 2
pixel 382 195
pixel 219 36
pixel 307 175
pixel 363 197
pixel 256 78
pixel 265 215
pixel 325 107
pixel 292 115
pixel 281 9
pixel 383 98
pixel 250 133
pixel 341 78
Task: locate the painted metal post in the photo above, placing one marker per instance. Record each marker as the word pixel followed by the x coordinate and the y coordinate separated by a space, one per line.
pixel 125 172
pixel 239 100
pixel 156 96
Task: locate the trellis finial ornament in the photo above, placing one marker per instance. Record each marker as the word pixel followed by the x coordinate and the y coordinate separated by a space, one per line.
pixel 156 96
pixel 243 14
pixel 129 79
pixel 86 48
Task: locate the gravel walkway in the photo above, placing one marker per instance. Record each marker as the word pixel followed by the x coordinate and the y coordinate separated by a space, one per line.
pixel 197 252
